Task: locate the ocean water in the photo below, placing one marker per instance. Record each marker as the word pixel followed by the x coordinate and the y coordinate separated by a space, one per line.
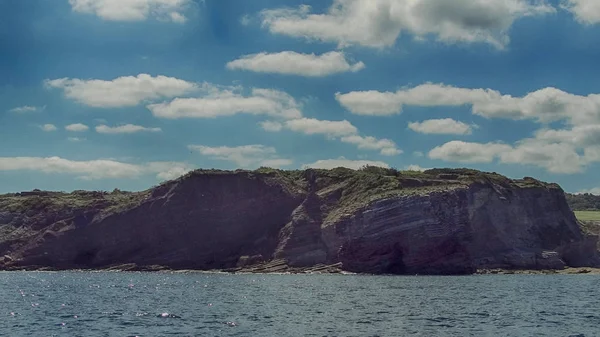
pixel 198 304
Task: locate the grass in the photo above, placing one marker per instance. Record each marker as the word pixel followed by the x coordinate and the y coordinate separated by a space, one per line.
pixel 588 215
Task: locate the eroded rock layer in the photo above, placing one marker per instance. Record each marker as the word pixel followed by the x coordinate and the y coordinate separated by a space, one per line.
pixel 372 221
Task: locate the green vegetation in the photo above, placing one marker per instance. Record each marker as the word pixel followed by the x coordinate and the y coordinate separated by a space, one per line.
pixel 588 215
pixel 344 189
pixel 56 202
pixel 583 202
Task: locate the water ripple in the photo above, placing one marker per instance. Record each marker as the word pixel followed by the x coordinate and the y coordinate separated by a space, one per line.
pixel 135 304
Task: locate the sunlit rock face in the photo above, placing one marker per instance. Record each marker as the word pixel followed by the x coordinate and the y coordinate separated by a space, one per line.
pixel 370 221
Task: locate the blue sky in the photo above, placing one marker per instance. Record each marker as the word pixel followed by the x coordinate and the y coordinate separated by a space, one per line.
pixel 105 94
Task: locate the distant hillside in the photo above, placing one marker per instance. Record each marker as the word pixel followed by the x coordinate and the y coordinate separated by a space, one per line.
pixel 583 202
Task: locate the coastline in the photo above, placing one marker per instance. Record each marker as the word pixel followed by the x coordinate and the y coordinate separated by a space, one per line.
pixel 566 271
pixel 307 271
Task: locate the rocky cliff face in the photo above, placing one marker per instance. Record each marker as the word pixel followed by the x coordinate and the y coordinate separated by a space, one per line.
pixel 372 220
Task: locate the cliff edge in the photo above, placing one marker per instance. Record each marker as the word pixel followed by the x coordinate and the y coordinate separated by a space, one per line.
pixel 374 220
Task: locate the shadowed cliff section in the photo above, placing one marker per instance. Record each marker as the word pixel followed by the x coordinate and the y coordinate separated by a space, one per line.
pixel 372 220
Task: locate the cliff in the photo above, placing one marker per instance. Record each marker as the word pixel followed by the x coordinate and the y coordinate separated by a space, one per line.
pixel 372 220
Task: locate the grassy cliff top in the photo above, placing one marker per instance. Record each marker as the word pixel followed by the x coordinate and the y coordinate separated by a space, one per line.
pixel 359 187
pixel 370 176
pixel 45 201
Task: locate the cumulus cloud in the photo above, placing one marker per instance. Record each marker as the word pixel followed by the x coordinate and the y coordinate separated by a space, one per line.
pixel 585 11
pixel 228 101
pixel 243 156
pixel 292 63
pixel 271 126
pixel 558 158
pixel 133 10
pixel 329 164
pixel 124 91
pixel 311 126
pixel 554 157
pixel 464 152
pixel 415 168
pixel 90 170
pixel 594 191
pixel 127 128
pixel 276 163
pixel 78 127
pixel 342 130
pixel 447 126
pixel 579 136
pixel 379 23
pixel 26 108
pixel 385 146
pixel 48 127
pixel 76 139
pixel 168 170
pixel 592 154
pixel 545 105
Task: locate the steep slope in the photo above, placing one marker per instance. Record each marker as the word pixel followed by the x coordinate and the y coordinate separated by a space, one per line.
pixel 372 220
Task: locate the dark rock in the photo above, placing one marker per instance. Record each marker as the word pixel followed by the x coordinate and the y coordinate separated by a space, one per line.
pixel 448 221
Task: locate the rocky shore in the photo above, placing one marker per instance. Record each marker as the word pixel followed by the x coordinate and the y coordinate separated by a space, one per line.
pixel 377 221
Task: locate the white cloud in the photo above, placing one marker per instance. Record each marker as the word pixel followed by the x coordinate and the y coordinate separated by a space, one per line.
pixel 75 139
pixel 78 127
pixel 311 126
pixel 415 168
pixel 177 17
pixel 579 136
pixel 271 126
pixel 558 158
pixel 585 11
pixel 168 170
pixel 26 108
pixel 292 63
pixel 243 156
pixel 554 157
pixel 133 10
pixel 385 146
pixel 123 91
pixel 463 152
pixel 95 169
pixel 245 20
pixel 379 23
pixel 445 126
pixel 329 164
pixel 219 102
pixel 48 127
pixel 594 191
pixel 342 130
pixel 557 151
pixel 127 128
pixel 544 105
pixel 276 163
pixel 592 154
pixel 92 169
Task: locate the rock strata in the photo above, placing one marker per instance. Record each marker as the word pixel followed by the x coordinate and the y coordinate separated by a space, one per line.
pixel 372 220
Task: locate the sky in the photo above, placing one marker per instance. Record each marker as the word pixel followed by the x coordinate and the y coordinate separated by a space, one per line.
pixel 104 94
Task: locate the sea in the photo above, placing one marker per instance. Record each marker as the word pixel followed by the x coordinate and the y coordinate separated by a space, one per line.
pixel 203 304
